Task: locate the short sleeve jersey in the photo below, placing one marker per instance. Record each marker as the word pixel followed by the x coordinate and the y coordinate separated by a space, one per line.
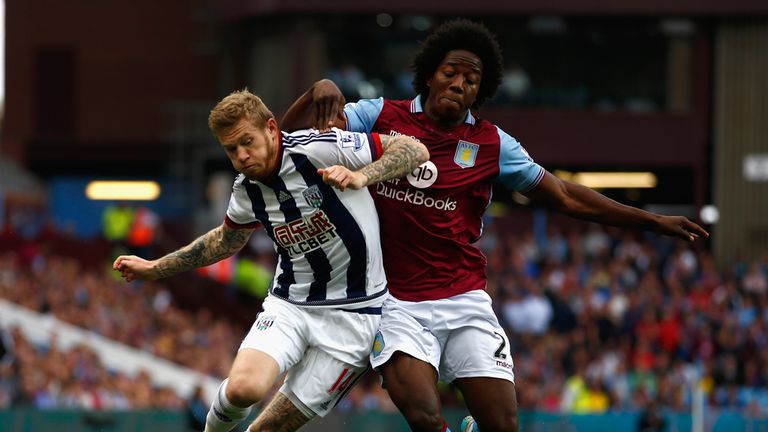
pixel 431 218
pixel 327 241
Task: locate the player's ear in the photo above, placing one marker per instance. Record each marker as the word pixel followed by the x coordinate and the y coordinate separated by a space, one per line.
pixel 272 126
pixel 431 78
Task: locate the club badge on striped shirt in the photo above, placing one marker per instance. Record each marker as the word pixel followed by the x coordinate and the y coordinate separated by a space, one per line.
pixel 265 322
pixel 466 154
pixel 313 196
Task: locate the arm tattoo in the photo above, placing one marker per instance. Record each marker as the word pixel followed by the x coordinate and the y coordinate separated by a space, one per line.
pixel 213 246
pixel 281 415
pixel 401 156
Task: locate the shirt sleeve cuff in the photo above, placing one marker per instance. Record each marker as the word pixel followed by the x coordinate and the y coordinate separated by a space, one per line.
pixel 376 149
pixel 234 225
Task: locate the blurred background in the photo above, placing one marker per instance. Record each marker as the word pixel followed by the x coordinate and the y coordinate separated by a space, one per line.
pixel 658 104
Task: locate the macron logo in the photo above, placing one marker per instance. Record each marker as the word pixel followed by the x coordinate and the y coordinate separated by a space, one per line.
pixel 396 133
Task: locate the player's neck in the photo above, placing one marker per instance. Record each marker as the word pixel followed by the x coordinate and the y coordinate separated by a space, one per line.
pixel 443 122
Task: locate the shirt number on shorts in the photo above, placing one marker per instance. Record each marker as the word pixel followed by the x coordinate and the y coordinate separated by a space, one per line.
pixel 342 383
pixel 499 354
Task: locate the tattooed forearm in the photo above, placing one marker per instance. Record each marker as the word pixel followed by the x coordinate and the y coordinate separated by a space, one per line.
pixel 279 416
pixel 401 155
pixel 213 246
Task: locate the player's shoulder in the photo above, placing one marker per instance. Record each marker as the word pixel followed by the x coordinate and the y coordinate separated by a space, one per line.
pixel 303 139
pixel 239 179
pixel 401 112
pixel 308 135
pixel 484 125
pixel 488 132
pixel 238 186
pixel 398 102
pixel 404 105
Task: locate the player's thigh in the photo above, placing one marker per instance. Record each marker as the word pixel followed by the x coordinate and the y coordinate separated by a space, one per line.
pixel 407 355
pixel 492 402
pixel 252 374
pixel 478 349
pixel 478 360
pixel 404 328
pixel 317 383
pixel 345 335
pixel 411 384
pixel 280 415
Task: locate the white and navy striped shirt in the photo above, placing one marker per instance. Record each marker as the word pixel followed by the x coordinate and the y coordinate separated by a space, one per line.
pixel 327 240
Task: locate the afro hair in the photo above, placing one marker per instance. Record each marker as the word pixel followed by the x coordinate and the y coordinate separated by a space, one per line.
pixel 460 34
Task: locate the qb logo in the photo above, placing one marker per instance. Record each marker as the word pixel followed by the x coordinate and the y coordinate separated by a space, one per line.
pixel 423 176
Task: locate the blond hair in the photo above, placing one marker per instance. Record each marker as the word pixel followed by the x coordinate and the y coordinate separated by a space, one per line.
pixel 239 104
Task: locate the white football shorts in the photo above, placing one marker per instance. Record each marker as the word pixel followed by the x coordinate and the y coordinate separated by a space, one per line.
pixel 324 351
pixel 459 336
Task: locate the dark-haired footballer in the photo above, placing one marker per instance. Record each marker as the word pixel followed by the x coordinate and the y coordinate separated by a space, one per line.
pixel 438 322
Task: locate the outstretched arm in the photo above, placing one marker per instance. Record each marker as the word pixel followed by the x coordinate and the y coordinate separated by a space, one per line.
pixel 400 156
pixel 215 245
pixel 584 203
pixel 321 107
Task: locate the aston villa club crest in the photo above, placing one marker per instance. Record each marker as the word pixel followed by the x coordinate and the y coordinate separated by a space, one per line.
pixel 466 154
pixel 313 196
pixel 378 345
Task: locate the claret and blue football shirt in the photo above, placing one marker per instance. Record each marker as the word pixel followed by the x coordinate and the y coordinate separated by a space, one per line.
pixel 430 219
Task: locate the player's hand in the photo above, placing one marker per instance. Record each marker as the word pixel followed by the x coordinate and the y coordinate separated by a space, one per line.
pixel 680 227
pixel 132 267
pixel 329 104
pixel 342 177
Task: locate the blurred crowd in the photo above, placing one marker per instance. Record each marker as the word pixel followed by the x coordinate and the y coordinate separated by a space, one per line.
pixel 47 377
pixel 603 320
pixel 599 319
pixel 141 315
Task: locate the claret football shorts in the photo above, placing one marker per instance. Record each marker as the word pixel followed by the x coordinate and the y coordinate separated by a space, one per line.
pixel 459 336
pixel 324 351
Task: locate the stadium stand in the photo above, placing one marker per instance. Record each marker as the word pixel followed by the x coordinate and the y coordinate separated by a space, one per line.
pixel 599 320
pixel 55 336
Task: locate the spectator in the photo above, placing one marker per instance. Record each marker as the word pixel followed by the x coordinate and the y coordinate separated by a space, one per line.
pixel 143 231
pixel 116 223
pixel 197 409
pixel 755 281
